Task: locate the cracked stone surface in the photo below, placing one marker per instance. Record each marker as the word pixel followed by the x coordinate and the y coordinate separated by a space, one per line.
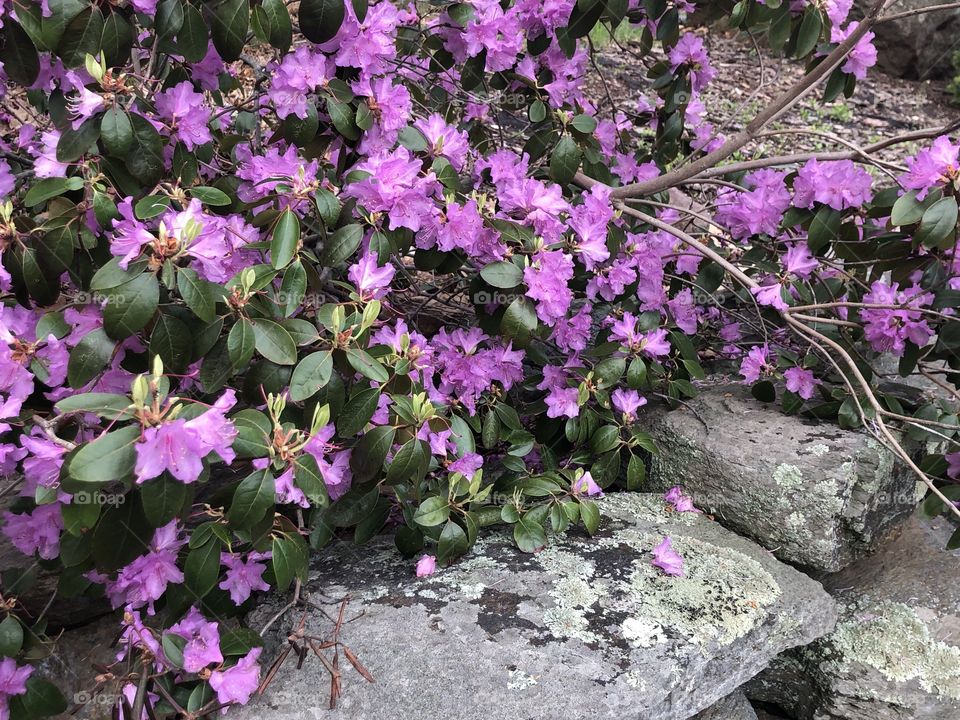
pixel 585 628
pixel 733 707
pixel 814 494
pixel 895 654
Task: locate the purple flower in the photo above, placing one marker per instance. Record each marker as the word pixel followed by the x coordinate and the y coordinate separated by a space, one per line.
pixel 679 501
pixel 667 559
pixel 187 114
pixel 758 210
pixel 394 186
pixel 889 329
pixel 546 280
pixel 238 683
pixel 426 565
pixel 799 261
pixel 371 279
pixel 757 363
pixel 841 184
pixel 770 295
pixel 144 580
pixel 444 140
pixel 7 181
pixel 13 681
pixel 800 381
pixel 585 485
pixel 931 167
pixel 203 641
pixel 179 446
pixel 628 402
pixel 46 164
pixel 36 532
pixel 691 53
pixel 864 54
pixel 590 221
pixel 243 577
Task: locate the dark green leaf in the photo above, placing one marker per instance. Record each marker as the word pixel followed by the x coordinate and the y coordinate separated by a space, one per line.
pixel 320 20
pixel 228 28
pixel 286 239
pixel 310 375
pixel 274 342
pixel 89 357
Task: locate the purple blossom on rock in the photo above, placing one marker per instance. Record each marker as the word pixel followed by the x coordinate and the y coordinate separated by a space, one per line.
pixel 668 559
pixel 238 683
pixel 841 184
pixel 426 565
pixel 679 501
pixel 187 113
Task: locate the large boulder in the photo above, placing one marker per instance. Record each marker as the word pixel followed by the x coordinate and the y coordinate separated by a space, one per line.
pixel 587 627
pixel 920 46
pixel 814 494
pixel 895 654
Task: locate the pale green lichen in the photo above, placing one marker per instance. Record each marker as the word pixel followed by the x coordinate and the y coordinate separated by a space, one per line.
pixel 640 632
pixel 572 593
pixel 788 476
pixel 819 450
pixel 648 507
pixel 891 638
pixel 519 680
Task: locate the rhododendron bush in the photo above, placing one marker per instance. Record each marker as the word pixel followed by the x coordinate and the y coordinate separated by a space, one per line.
pixel 276 275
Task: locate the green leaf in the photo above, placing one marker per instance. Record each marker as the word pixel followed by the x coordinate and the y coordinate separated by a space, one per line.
pixel 192 37
pixel 357 412
pixel 254 495
pixel 452 544
pixel 504 275
pixel 352 507
pixel 228 28
pixel 938 227
pixel 320 20
pixel 11 636
pixel 19 56
pixel 274 342
pixel 286 240
pixel 407 461
pixel 279 27
pixel 565 160
pixel 43 190
pixel 117 39
pixel 116 131
pixel 809 33
pixel 145 159
pixel 309 479
pixel 293 288
pixel 131 306
pixel 109 458
pixel 342 244
pixel 73 144
pixel 111 275
pixel 433 511
pixel 529 534
pixel 366 365
pixel 42 699
pixel 907 210
pixel 202 568
pixel 162 498
pixel 121 535
pixel 289 559
pixel 344 119
pixel 328 206
pixel 210 196
pixel 173 646
pixel 200 295
pixel 241 342
pixel 584 123
pixel 369 526
pixel 636 472
pixel 171 340
pixel 106 405
pixel 168 19
pixel 366 460
pixel 81 37
pixel 590 515
pixel 311 374
pixel 519 321
pixel 89 357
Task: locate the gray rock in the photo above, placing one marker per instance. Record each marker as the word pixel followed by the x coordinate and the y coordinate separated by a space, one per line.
pixel 895 654
pixel 733 707
pixel 918 47
pixel 812 493
pixel 586 627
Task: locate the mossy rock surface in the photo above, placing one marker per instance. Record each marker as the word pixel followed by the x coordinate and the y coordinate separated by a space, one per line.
pixel 814 494
pixel 586 627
